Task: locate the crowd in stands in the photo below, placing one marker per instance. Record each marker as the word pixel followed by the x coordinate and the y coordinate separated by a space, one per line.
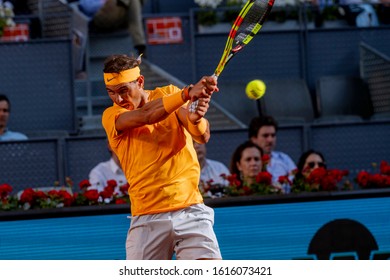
pixel 112 15
pixel 254 169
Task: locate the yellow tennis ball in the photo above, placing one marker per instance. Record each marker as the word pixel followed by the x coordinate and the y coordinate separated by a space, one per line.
pixel 255 89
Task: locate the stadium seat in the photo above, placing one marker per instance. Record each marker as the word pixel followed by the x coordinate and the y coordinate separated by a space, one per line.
pixel 342 98
pixel 288 101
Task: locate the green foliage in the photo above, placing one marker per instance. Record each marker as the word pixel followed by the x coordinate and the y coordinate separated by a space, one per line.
pixel 207 17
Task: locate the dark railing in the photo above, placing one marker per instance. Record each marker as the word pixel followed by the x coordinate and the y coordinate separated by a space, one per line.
pixel 375 71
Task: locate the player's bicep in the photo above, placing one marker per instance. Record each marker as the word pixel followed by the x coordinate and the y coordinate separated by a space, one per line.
pixel 150 113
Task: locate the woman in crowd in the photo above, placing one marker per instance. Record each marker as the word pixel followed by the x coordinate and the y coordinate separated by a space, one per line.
pixel 307 180
pixel 309 161
pixel 246 162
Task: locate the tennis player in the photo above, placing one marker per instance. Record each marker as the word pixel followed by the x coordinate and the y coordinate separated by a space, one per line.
pixel 151 132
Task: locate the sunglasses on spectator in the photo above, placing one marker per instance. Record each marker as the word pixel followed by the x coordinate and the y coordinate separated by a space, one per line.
pixel 312 164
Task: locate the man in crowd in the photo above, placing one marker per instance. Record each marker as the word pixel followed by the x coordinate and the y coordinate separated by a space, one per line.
pixel 5 133
pixel 262 131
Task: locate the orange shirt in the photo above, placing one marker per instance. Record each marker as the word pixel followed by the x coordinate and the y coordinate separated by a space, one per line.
pixel 159 161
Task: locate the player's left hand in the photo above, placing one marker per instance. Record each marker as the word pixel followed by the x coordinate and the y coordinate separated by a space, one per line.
pixel 200 110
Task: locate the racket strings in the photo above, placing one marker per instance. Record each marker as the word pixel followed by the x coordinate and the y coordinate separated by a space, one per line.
pixel 247 24
pixel 251 20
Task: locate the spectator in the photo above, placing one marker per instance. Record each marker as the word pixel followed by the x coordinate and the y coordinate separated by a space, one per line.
pixel 211 170
pixel 262 131
pixel 358 13
pixel 313 175
pixel 246 162
pixel 151 132
pixel 5 133
pixel 309 161
pixel 105 171
pixel 111 15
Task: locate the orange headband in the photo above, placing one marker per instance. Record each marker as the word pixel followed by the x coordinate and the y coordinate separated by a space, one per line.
pixel 126 76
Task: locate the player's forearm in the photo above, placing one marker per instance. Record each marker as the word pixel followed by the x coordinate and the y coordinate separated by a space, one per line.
pixel 200 131
pixel 152 112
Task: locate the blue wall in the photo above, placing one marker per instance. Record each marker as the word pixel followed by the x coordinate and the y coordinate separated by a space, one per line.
pixel 37 77
pixel 279 231
pixel 284 231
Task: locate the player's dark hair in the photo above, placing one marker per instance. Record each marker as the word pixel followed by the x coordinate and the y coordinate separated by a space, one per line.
pixel 119 62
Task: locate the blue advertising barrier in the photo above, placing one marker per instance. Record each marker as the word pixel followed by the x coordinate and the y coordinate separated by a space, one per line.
pixel 349 225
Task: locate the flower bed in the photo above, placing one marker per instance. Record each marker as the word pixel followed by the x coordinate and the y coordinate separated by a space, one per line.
pixel 380 179
pixel 62 196
pixel 320 180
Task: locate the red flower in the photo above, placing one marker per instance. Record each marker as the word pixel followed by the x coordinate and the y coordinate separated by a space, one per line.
pixel 363 178
pixel 37 199
pixel 92 195
pixel 53 193
pixel 264 177
pixel 338 174
pixel 28 196
pixel 40 195
pixel 378 180
pixel 316 175
pixel 232 179
pixel 67 198
pixel 124 189
pixel 247 190
pixel 384 168
pixel 265 159
pixel 111 183
pixel 5 190
pixel 84 184
pixel 284 180
pixel 328 183
pixel 320 179
pixel 106 193
pixel 120 201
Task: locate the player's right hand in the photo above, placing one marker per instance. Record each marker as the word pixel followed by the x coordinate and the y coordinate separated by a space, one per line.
pixel 204 88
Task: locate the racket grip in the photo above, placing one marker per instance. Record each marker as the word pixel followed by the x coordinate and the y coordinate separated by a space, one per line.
pixel 193 105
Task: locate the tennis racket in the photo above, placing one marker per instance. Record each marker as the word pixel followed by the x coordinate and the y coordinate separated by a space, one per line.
pixel 247 24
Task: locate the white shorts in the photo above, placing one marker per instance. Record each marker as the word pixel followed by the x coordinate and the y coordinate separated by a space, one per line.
pixel 187 232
